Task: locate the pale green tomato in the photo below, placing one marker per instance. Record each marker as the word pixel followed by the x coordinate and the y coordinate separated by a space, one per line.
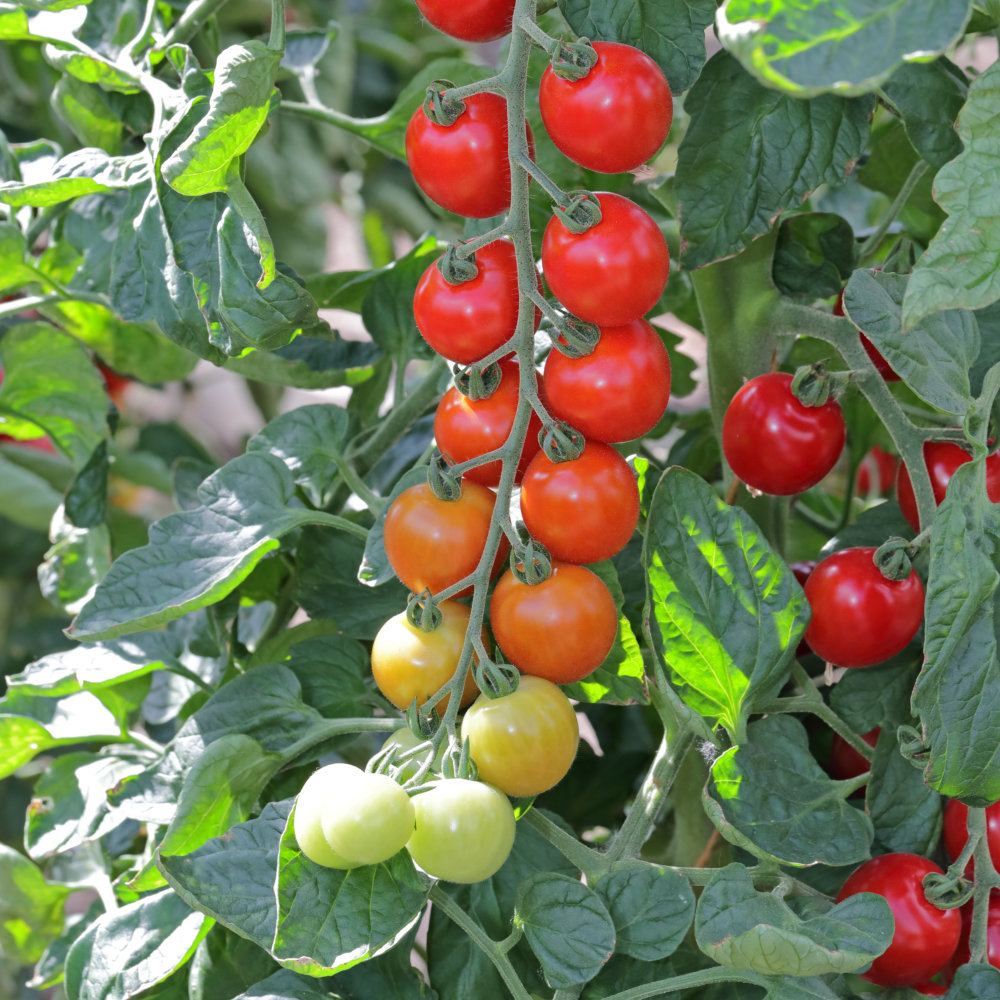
pixel 369 821
pixel 321 788
pixel 405 740
pixel 465 831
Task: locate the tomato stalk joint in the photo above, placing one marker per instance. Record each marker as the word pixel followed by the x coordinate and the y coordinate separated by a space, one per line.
pixel 439 107
pixel 578 211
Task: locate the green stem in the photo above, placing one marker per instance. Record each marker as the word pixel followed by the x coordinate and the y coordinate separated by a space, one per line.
pixel 276 39
pixel 530 27
pixel 987 881
pixel 142 740
pixel 527 164
pixel 691 980
pixel 589 861
pixel 339 119
pixel 188 24
pixel 493 951
pixel 328 728
pixel 372 500
pixel 869 249
pixel 15 306
pixel 336 521
pixel 144 33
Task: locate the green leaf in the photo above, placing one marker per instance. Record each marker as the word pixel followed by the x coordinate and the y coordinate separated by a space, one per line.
pixel 957 695
pixel 285 985
pixel 77 560
pixel 751 153
pixel 231 878
pixel 975 982
pixel 84 171
pixel 241 99
pixel 90 67
pixel 848 48
pixel 85 111
pixel 194 558
pixel 814 255
pixel 651 908
pixel 329 920
pixel 26 498
pixel 770 797
pixel 961 267
pixel 876 696
pixel 13 252
pixel 31 910
pixel 930 96
pixel 726 612
pixel 226 964
pixel 87 497
pixel 906 813
pixel 309 440
pixel 672 32
pixel 311 363
pixel 933 357
pixel 133 948
pixel 50 387
pixel 332 670
pixel 742 928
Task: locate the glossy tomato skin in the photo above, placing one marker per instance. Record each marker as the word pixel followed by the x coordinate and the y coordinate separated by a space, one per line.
pixel 584 510
pixel 925 937
pixel 466 428
pixel 845 761
pixel 616 393
pixel 465 322
pixel 942 458
pixel 776 444
pixel 369 821
pixel 877 472
pixel 614 272
pixel 613 119
pixel 859 618
pixel 464 831
pixel 525 742
pixel 560 629
pixel 409 663
pixel 956 831
pixel 323 786
pixel 434 543
pixel 471 20
pixel 463 167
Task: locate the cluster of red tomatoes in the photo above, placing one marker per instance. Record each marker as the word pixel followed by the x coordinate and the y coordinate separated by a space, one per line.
pixel 558 623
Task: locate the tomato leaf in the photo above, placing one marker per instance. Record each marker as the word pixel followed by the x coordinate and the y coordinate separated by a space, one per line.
pixel 975 982
pixel 751 153
pixel 725 612
pixel 814 255
pixel 568 927
pixel 670 31
pixel 933 358
pixel 848 50
pixel 960 269
pixel 877 695
pixel 745 929
pixel 128 950
pixel 310 363
pixel 770 797
pixel 285 985
pixel 25 497
pixel 31 910
pixel 956 695
pixel 651 908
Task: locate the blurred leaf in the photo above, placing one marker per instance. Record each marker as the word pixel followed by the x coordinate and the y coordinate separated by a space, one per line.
pixel 31 910
pixel 310 363
pixel 87 498
pixel 975 982
pixel 85 111
pixel 26 498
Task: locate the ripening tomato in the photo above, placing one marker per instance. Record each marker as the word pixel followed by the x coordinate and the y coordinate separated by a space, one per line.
pixel 619 391
pixel 463 167
pixel 433 543
pixel 614 272
pixel 613 119
pixel 925 937
pixel 465 322
pixel 942 458
pixel 464 831
pixel 466 428
pixel 471 20
pixel 525 742
pixel 775 443
pixel 409 663
pixel 560 629
pixel 956 831
pixel 584 510
pixel 931 989
pixel 877 472
pixel 321 788
pixel 859 617
pixel 116 384
pixel 882 366
pixel 845 761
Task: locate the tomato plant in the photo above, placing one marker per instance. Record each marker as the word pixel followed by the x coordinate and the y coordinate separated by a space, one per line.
pixel 859 617
pixel 956 831
pixel 845 761
pixel 925 936
pixel 479 21
pixel 614 118
pixel 369 819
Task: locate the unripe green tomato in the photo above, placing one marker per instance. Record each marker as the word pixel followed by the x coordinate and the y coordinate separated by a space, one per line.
pixel 369 821
pixel 321 787
pixel 464 830
pixel 405 740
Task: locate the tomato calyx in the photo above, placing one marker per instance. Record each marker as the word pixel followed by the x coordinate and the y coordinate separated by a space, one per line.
pixel 813 385
pixel 575 338
pixel 578 211
pixel 560 442
pixel 573 60
pixel 439 106
pixel 913 747
pixel 894 558
pixel 948 891
pixel 444 484
pixel 422 612
pixel 531 563
pixel 455 267
pixel 476 382
pixel 495 680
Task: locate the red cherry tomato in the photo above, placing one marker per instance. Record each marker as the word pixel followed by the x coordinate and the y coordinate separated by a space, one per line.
pixel 463 167
pixel 584 510
pixel 877 467
pixel 560 629
pixel 962 953
pixel 942 458
pixel 613 119
pixel 465 322
pixel 776 444
pixel 956 831
pixel 116 384
pixel 433 543
pixel 931 989
pixel 925 937
pixel 860 618
pixel 619 391
pixel 471 20
pixel 614 272
pixel 467 428
pixel 845 761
